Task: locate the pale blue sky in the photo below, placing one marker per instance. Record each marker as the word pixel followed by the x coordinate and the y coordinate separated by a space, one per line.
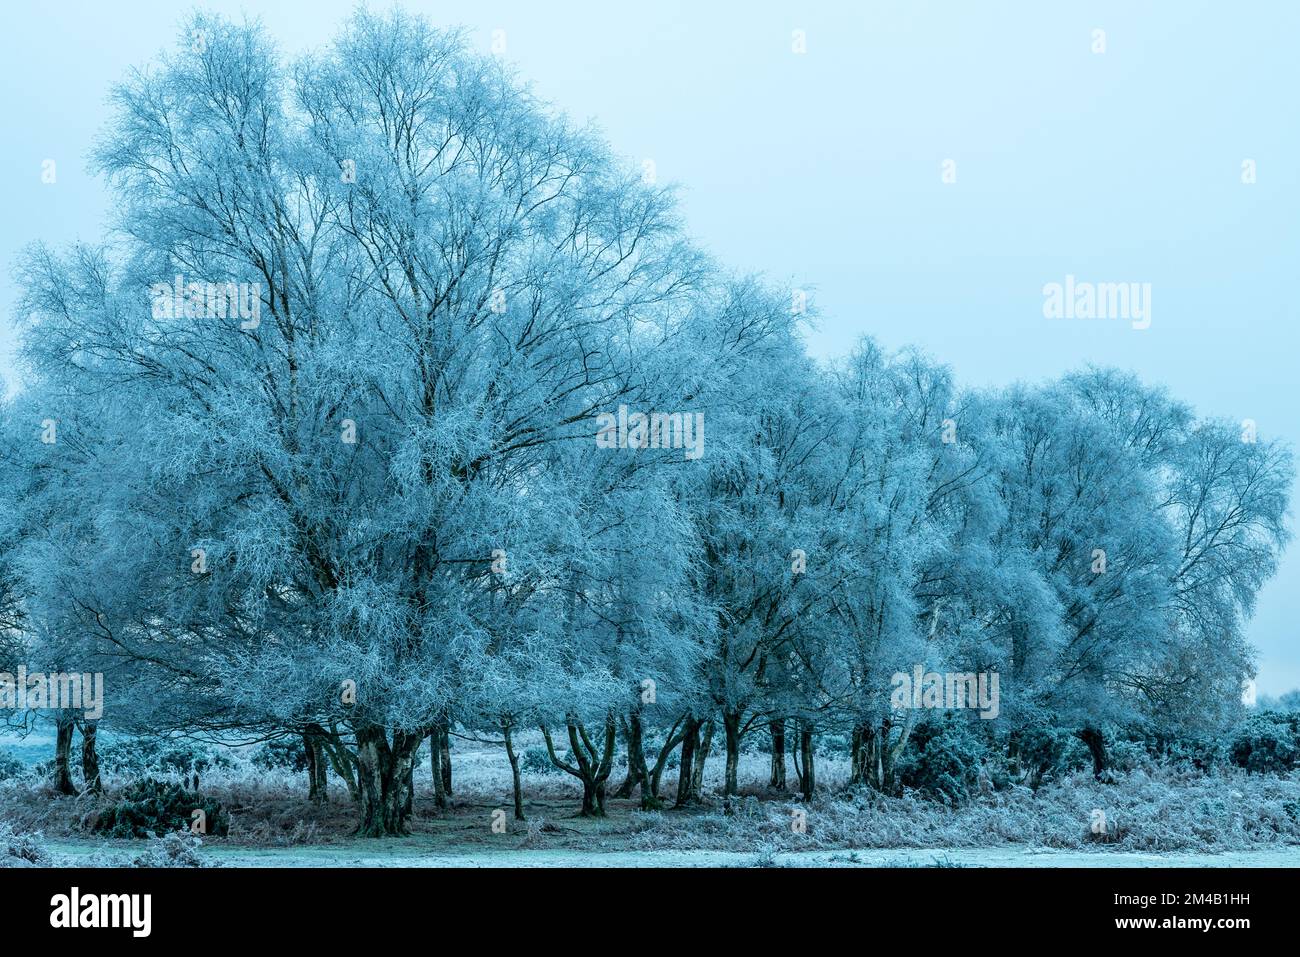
pixel 824 168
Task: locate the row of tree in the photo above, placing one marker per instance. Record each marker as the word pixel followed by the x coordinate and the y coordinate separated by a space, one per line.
pixel 376 508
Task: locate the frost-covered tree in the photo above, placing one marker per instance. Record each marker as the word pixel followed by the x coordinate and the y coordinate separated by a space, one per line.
pixel 1223 490
pixel 1116 498
pixel 436 283
pixel 395 404
pixel 916 509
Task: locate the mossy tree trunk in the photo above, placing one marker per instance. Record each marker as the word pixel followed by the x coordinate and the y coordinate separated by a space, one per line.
pixel 317 767
pixel 686 771
pixel 633 742
pixel 1096 743
pixel 776 779
pixel 382 773
pixel 702 750
pixel 674 737
pixel 593 761
pixel 805 764
pixel 64 726
pixel 90 757
pixel 732 729
pixel 514 771
pixel 341 759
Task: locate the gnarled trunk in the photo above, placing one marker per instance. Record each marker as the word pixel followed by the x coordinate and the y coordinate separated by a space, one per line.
pixel 90 757
pixel 808 774
pixel 382 772
pixel 701 758
pixel 631 727
pixel 674 737
pixel 1096 742
pixel 317 768
pixel 514 772
pixel 341 759
pixel 777 778
pixel 731 726
pixel 441 777
pixel 62 780
pixel 686 772
pixel 593 762
pixel 638 773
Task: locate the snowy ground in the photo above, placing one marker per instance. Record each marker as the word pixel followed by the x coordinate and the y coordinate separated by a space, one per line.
pixel 416 853
pixel 1169 818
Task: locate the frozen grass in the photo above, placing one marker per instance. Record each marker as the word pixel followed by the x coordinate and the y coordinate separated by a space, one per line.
pixel 1168 809
pixel 21 848
pixel 1151 809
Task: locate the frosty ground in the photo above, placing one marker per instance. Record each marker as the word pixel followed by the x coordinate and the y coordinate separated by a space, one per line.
pixel 1161 816
pixel 422 852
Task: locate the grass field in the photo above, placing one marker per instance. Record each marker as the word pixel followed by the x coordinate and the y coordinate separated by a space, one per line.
pixel 1161 815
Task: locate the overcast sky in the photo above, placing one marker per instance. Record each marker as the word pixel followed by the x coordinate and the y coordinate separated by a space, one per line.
pixel 825 168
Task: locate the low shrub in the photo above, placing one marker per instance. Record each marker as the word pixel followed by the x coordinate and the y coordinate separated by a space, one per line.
pixel 537 761
pixel 10 767
pixel 282 754
pixel 153 808
pixel 942 760
pixel 176 849
pixel 1266 743
pixel 18 846
pixel 141 756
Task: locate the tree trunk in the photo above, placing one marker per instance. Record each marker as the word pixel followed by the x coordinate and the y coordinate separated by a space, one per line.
pixel 317 768
pixel 445 744
pixel 342 760
pixel 64 727
pixel 1096 743
pixel 776 779
pixel 859 758
pixel 382 772
pixel 593 763
pixel 731 728
pixel 408 801
pixel 794 759
pixel 674 738
pixel 90 758
pixel 514 772
pixel 322 773
pixel 435 766
pixel 593 799
pixel 701 757
pixel 638 772
pixel 879 756
pixel 309 753
pixel 807 780
pixel 685 773
pixel 632 741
